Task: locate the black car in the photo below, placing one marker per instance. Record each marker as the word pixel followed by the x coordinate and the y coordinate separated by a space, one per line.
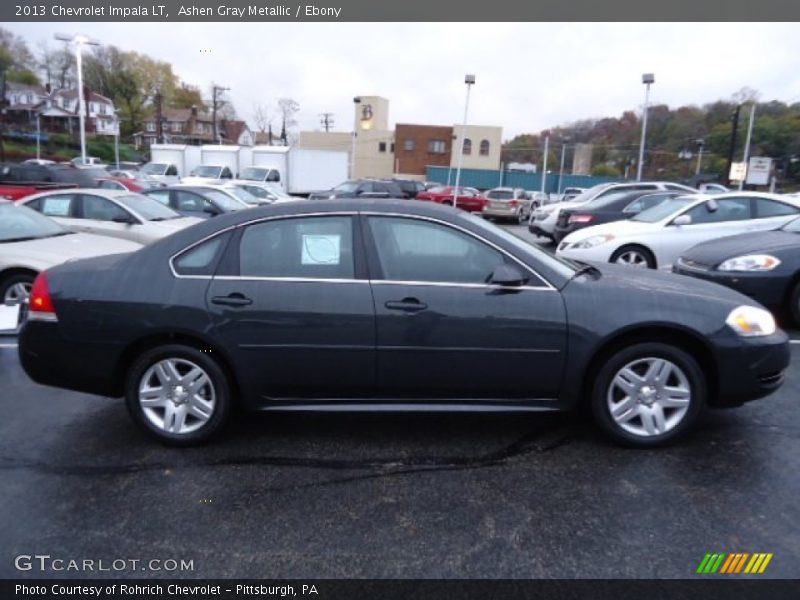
pixel 390 305
pixel 763 265
pixel 613 207
pixel 360 188
pixel 409 187
pixel 56 174
pixel 195 201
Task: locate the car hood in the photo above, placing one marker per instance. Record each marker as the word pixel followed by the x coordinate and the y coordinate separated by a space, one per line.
pixel 48 252
pixel 617 229
pixel 668 291
pixel 715 251
pixel 172 225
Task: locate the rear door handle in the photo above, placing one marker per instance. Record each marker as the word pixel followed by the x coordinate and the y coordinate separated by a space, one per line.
pixel 234 299
pixel 406 305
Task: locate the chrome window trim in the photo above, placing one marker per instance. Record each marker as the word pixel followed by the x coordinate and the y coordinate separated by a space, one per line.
pixel 547 287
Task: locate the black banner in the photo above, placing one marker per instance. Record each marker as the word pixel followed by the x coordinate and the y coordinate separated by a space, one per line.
pixel 405 11
pixel 388 589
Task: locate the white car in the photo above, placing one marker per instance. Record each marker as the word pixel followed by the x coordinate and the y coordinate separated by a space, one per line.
pixel 119 214
pixel 234 192
pixel 265 193
pixel 543 220
pixel 712 188
pixel 31 243
pixel 656 237
pixel 208 174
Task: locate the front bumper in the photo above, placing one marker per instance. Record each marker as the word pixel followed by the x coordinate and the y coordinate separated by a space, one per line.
pixel 748 368
pixel 762 287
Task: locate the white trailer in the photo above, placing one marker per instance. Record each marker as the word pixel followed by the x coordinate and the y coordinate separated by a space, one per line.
pixel 182 157
pixel 297 170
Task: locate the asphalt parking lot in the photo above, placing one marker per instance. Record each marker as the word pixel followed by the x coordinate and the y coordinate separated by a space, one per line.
pixel 424 496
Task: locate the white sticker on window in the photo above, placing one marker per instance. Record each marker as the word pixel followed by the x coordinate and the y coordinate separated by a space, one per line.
pixel 56 207
pixel 321 249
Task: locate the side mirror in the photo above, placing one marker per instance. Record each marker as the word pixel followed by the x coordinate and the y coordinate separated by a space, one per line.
pixel 682 220
pixel 126 219
pixel 712 205
pixel 211 210
pixel 507 275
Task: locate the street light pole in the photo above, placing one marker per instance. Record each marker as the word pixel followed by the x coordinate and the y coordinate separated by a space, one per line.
pixel 700 144
pixel 561 170
pixel 116 137
pixel 747 143
pixel 38 135
pixel 470 81
pixel 80 41
pixel 544 161
pixel 214 90
pixel 647 79
pixel 356 100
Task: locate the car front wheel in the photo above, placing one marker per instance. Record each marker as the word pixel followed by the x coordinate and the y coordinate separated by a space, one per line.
pixel 648 394
pixel 634 256
pixel 178 394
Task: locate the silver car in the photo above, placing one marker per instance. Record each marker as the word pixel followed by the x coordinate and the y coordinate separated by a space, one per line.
pixel 507 203
pixel 31 243
pixel 119 214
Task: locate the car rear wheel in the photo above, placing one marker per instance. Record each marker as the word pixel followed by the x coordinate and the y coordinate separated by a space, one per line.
pixel 16 290
pixel 634 256
pixel 648 394
pixel 178 394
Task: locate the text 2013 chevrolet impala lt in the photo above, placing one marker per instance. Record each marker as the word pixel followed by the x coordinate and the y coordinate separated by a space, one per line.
pixel 385 305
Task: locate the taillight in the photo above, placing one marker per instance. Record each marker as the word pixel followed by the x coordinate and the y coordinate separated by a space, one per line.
pixel 581 219
pixel 514 202
pixel 41 304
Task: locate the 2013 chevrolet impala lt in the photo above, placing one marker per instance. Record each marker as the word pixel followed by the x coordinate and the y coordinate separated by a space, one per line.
pixel 387 305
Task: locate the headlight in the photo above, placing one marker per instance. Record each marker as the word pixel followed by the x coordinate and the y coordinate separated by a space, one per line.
pixel 749 321
pixel 750 262
pixel 593 241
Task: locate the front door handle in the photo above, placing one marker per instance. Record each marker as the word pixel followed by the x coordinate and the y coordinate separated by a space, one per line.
pixel 234 299
pixel 406 305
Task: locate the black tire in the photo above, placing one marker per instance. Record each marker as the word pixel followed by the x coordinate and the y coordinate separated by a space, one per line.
pixel 447 202
pixel 9 282
pixel 794 304
pixel 217 378
pixel 646 254
pixel 601 390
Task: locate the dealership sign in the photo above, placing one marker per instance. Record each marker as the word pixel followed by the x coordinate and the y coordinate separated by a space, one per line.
pixel 759 170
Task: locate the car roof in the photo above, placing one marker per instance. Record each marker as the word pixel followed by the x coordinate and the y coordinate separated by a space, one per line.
pixel 79 190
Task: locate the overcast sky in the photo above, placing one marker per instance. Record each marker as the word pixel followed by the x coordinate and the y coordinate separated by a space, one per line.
pixel 530 76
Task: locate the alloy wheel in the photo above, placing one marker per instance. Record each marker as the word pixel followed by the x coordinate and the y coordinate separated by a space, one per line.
pixel 632 258
pixel 18 294
pixel 649 396
pixel 177 396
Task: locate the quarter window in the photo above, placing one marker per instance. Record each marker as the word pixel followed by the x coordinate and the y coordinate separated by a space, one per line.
pixel 414 250
pixel 202 259
pixel 306 248
pixel 771 208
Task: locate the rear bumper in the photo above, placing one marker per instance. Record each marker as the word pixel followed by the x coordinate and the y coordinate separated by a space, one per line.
pixel 766 289
pixel 49 359
pixel 501 213
pixel 749 369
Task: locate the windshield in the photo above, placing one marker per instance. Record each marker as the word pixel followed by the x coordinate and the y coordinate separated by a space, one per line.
pixel 792 226
pixel 20 223
pixel 663 210
pixel 256 191
pixel 154 168
pixel 348 187
pixel 147 208
pixel 500 194
pixel 206 171
pixel 567 269
pixel 590 193
pixel 222 200
pixel 242 194
pixel 254 174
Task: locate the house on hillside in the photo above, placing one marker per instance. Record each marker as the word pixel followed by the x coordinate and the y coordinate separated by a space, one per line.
pixel 193 127
pixel 57 109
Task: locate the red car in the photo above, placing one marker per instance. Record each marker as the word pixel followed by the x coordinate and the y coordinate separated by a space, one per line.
pixel 119 183
pixel 468 199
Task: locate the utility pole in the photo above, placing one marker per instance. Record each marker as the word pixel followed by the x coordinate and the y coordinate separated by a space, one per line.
pixel 747 143
pixel 159 118
pixel 732 148
pixel 327 121
pixel 215 91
